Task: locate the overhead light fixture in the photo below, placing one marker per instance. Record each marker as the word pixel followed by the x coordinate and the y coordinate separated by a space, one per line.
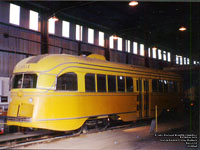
pixel 182 28
pixel 154 47
pixel 133 3
pixel 54 18
pixel 115 37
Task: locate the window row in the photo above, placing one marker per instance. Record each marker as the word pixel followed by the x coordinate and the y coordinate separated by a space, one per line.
pixel 137 49
pixel 164 86
pixel 110 83
pixel 68 82
pixel 159 54
pixel 184 60
pixel 33 24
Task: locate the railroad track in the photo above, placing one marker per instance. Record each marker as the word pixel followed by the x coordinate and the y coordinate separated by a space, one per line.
pixel 52 136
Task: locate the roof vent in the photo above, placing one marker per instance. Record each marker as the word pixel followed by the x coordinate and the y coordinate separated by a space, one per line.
pixel 36 58
pixel 96 56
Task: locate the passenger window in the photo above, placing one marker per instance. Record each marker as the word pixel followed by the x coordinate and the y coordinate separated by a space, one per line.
pixel 154 85
pixel 175 86
pixel 165 86
pixel 67 82
pixel 160 85
pixel 101 83
pixel 17 81
pixel 146 85
pixel 171 86
pixel 90 83
pixel 111 83
pixel 121 84
pixel 129 84
pixel 29 81
pixel 139 85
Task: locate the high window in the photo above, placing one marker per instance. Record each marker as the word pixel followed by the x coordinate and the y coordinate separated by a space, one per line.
pixel 51 26
pixel 101 39
pixel 33 22
pixel 142 49
pixel 119 44
pixel 179 60
pixel 184 61
pixel 90 83
pixel 111 42
pixel 90 35
pixel 164 55
pixel 159 54
pixel 14 14
pixel 79 32
pixel 169 57
pixel 149 52
pixel 188 61
pixel 135 48
pixel 67 82
pixel 65 29
pixel 154 52
pixel 128 46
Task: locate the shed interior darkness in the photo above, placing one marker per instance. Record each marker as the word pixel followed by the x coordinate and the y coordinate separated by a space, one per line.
pixel 155 23
pixel 150 24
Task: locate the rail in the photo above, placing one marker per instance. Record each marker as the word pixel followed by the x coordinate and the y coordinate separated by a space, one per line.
pixel 50 136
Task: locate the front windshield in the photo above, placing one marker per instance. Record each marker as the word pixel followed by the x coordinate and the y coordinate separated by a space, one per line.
pixel 24 81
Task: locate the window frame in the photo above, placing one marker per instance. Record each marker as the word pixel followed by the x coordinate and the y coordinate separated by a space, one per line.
pixel 105 90
pixel 68 90
pixel 31 21
pixel 127 84
pixel 95 83
pixel 90 36
pixel 101 39
pixel 115 80
pixel 65 29
pixel 11 20
pixel 124 90
pixel 22 82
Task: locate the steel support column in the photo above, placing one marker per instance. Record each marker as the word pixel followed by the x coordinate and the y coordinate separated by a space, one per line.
pixel 106 45
pixel 44 34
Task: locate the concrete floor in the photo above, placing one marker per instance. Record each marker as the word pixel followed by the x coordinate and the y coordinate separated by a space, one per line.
pixel 131 139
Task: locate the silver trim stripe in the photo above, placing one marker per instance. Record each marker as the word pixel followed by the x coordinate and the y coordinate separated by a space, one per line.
pixel 85 116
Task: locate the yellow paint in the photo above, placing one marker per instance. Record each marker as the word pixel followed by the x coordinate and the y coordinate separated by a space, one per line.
pixel 65 110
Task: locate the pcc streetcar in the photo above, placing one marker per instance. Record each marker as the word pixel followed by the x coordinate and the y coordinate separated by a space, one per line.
pixel 61 92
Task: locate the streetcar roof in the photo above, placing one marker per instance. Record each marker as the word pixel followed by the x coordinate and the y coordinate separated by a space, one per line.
pixel 43 63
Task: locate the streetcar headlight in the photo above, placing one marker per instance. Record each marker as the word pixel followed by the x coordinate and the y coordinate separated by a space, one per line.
pixel 30 100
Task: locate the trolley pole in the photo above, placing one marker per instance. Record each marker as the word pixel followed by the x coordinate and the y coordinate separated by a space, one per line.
pixel 156 116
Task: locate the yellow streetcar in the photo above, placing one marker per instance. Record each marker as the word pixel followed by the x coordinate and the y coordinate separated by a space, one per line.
pixel 61 92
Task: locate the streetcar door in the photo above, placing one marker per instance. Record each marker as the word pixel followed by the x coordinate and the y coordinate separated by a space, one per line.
pixel 146 98
pixel 139 97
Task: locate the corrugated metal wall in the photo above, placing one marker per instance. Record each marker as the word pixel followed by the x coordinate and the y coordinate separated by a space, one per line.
pixel 23 42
